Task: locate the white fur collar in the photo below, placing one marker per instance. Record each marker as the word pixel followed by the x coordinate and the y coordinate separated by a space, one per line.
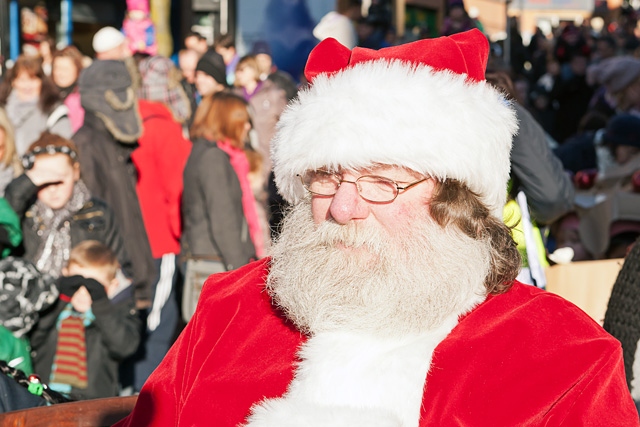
pixel 349 379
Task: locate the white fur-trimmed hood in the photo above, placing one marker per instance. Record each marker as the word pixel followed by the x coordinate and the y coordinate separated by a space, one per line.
pixel 437 123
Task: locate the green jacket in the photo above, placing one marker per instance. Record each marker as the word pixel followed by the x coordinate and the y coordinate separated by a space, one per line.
pixel 11 222
pixel 15 351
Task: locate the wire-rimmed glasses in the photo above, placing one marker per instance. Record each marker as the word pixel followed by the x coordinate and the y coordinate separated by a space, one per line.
pixel 372 188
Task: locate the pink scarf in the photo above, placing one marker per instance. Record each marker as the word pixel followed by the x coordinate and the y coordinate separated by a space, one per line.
pixel 240 165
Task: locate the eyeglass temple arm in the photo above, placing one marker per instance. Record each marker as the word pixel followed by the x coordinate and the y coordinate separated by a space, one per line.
pixel 406 187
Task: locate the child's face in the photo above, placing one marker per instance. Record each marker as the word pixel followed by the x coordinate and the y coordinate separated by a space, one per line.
pixel 624 153
pixel 245 75
pixel 57 195
pixel 137 15
pixel 569 236
pixel 101 275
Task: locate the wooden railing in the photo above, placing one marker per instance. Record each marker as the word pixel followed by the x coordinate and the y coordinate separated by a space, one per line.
pixel 86 413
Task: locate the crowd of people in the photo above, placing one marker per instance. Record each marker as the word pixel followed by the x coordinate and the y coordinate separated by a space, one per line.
pixel 127 179
pixel 577 85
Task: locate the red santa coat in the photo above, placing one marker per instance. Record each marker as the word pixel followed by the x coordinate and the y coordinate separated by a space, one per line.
pixel 525 358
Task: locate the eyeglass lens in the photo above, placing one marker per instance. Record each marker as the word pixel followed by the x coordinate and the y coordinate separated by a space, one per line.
pixel 372 188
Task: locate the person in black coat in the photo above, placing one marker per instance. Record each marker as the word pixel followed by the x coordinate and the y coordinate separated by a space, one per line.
pixel 106 140
pixel 57 210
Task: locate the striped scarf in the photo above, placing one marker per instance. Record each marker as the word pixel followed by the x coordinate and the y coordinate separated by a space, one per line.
pixel 70 360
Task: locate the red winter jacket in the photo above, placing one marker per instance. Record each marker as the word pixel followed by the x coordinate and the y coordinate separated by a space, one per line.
pixel 160 160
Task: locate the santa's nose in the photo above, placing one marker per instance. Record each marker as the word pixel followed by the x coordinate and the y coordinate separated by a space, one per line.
pixel 347 204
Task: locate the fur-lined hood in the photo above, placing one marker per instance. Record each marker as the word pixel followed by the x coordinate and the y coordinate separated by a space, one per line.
pixel 106 90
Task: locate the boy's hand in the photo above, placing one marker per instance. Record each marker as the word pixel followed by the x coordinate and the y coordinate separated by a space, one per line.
pixel 81 300
pixel 96 290
pixel 69 285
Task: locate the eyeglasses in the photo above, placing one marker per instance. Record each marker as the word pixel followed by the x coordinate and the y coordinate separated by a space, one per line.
pixel 372 188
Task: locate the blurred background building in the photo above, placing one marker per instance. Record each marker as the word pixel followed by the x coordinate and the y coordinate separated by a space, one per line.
pixel 282 22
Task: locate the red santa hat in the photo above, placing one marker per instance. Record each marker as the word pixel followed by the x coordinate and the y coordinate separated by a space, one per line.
pixel 424 105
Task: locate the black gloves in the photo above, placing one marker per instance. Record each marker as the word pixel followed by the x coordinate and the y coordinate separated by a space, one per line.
pixel 96 290
pixel 69 285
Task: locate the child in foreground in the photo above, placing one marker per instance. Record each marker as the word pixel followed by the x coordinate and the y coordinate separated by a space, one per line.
pixel 79 342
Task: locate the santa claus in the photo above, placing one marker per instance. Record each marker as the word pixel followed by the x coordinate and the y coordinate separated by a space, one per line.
pixel 389 298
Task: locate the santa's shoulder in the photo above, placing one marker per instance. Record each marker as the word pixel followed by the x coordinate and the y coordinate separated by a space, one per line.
pixel 528 357
pixel 536 318
pixel 246 283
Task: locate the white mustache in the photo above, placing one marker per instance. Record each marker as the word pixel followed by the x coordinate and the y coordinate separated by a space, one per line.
pixel 350 235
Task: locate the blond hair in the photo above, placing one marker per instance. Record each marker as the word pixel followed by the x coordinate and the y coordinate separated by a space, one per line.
pixel 10 154
pixel 93 254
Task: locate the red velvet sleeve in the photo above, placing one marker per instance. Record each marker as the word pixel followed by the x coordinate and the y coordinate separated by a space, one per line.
pixel 600 397
pixel 527 358
pixel 235 351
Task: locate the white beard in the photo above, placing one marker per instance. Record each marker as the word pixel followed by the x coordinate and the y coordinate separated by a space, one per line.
pixel 355 277
pixel 376 307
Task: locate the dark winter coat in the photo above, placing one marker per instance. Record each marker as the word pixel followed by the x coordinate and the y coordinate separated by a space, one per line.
pixel 113 336
pixel 213 218
pixel 572 97
pixel 94 221
pixel 622 318
pixel 14 397
pixel 107 170
pixel 538 172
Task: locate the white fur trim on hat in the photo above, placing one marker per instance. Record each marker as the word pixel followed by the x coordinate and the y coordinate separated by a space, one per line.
pixel 106 39
pixel 437 123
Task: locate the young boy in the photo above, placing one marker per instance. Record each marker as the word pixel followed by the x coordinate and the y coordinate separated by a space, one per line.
pixel 79 342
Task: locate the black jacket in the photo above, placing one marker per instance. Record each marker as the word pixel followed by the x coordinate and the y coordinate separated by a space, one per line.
pixel 94 221
pixel 113 336
pixel 14 397
pixel 109 173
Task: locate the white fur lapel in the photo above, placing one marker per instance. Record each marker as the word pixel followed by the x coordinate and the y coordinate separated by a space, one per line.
pixel 349 379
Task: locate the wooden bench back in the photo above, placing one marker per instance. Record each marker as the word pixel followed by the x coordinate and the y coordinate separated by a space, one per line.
pixel 86 413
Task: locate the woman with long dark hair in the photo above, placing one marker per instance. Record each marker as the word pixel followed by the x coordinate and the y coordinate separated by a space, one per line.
pixel 65 72
pixel 32 103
